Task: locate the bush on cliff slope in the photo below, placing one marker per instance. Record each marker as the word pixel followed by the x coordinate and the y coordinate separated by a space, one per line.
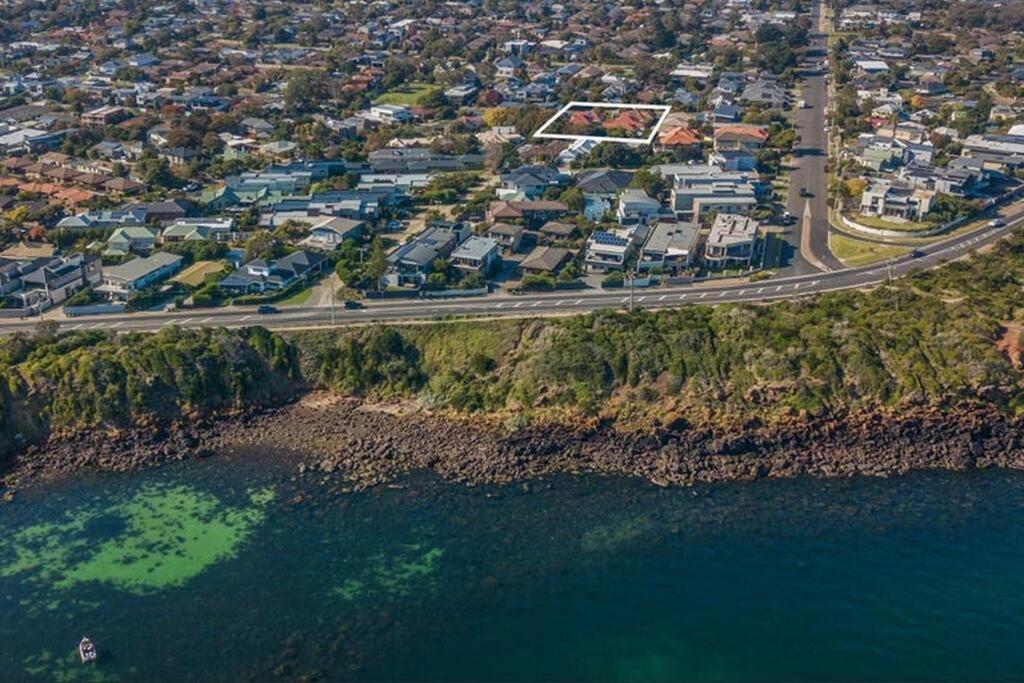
pixel 932 337
pixel 87 379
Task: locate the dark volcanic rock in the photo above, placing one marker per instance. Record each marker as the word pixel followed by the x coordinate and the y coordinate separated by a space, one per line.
pixel 369 445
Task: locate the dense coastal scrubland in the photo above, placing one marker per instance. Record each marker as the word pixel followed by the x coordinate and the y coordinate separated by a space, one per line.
pixel 934 354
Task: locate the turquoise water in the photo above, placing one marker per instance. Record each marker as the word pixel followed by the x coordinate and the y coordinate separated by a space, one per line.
pixel 229 571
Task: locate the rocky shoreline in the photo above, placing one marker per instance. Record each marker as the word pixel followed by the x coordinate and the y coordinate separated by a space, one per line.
pixel 368 444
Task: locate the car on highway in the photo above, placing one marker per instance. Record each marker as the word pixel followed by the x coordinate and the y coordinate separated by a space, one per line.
pixel 804 192
pixel 266 309
pixel 996 223
pixel 916 253
pixel 353 304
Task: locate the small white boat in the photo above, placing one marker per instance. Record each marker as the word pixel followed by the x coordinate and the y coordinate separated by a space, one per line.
pixel 86 650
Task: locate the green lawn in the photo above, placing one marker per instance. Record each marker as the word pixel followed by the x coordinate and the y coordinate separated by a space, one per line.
pixel 298 298
pixel 883 224
pixel 408 95
pixel 854 253
pixel 195 275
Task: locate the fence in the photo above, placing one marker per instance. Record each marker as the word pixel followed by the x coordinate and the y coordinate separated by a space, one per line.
pixel 95 309
pixel 453 293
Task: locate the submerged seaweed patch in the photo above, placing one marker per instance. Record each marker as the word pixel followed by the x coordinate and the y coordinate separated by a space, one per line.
pixel 161 537
pixel 391 575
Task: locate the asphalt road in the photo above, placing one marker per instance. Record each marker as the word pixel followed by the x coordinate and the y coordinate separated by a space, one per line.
pixel 809 173
pixel 557 303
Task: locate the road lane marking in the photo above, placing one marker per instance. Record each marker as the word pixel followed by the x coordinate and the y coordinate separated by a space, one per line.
pixel 244 318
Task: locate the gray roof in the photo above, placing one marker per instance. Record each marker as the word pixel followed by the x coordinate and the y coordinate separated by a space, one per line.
pixel 139 268
pixel 475 248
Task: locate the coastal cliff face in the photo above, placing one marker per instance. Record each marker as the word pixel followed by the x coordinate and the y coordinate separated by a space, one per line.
pixel 925 373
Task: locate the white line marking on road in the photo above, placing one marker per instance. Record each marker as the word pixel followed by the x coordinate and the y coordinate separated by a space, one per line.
pixel 535 304
pixel 75 327
pixel 742 292
pixel 760 289
pixel 560 302
pixel 577 302
pixel 703 294
pixel 662 297
pixel 518 305
pixel 244 318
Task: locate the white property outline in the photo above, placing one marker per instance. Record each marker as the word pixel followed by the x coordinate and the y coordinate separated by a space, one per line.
pixel 665 110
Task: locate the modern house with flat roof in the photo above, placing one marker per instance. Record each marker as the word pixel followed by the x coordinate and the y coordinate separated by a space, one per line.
pixel 607 251
pixel 477 254
pixel 670 246
pixel 732 241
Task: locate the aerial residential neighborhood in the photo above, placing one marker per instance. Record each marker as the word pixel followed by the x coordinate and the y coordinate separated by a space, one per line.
pixel 661 341
pixel 314 157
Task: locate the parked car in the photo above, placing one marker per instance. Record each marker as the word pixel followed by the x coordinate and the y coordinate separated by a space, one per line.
pixel 266 309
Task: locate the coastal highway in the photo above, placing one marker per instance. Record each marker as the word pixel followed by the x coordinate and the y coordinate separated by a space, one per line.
pixel 552 303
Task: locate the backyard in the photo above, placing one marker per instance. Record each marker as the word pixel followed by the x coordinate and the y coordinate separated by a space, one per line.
pixel 408 95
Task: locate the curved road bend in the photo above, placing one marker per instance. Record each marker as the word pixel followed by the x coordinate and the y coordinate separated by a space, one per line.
pixel 552 303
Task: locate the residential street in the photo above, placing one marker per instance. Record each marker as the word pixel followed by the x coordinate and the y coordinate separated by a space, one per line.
pixel 810 167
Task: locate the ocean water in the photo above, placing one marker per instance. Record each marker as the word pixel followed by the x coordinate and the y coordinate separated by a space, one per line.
pixel 231 570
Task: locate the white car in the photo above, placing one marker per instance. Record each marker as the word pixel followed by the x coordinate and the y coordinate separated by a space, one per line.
pixel 996 223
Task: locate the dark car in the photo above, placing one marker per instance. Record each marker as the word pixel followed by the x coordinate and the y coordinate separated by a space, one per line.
pixel 916 253
pixel 805 193
pixel 352 303
pixel 266 309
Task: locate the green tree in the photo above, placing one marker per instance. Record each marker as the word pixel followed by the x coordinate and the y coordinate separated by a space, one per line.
pixel 376 263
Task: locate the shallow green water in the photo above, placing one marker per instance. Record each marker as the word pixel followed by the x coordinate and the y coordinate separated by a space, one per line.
pixel 227 571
